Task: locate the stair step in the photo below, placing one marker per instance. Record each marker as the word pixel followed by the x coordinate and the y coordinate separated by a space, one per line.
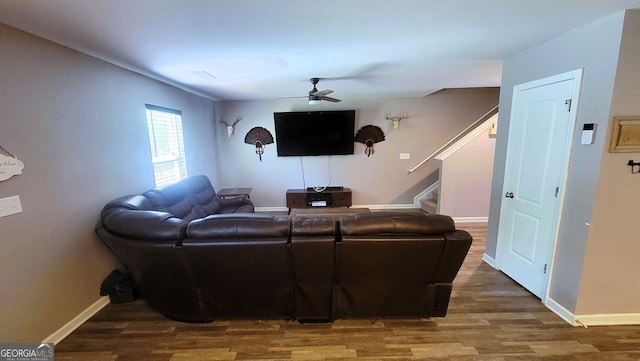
pixel 429 205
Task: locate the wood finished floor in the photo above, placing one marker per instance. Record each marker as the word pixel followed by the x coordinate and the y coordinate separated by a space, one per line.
pixel 490 318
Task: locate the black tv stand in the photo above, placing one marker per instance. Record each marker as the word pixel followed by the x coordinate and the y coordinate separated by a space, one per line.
pixel 330 197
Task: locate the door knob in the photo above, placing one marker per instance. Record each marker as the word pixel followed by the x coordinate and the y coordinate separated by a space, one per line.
pixel 509 195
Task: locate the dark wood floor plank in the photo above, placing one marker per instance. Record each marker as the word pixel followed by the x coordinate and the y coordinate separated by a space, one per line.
pixel 490 318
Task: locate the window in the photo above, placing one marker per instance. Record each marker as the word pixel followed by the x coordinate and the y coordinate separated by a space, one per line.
pixel 167 144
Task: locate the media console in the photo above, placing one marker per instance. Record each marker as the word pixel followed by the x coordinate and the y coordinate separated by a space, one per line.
pixel 330 197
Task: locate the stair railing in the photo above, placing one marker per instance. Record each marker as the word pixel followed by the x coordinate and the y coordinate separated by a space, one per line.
pixel 480 120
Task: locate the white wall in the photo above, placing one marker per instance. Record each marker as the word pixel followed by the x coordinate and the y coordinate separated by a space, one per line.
pixel 79 126
pixel 582 252
pixel 611 263
pixel 465 182
pixel 380 180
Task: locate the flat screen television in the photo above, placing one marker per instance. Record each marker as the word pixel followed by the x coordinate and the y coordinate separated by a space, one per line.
pixel 315 133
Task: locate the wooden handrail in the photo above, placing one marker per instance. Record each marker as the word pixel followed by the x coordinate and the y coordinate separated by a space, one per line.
pixel 456 138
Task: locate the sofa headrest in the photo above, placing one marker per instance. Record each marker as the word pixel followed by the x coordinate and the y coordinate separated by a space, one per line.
pixel 312 226
pixel 234 225
pixel 198 183
pixel 395 222
pixel 201 189
pixel 175 199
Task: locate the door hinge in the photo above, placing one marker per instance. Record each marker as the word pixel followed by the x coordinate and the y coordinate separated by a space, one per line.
pixel 545 268
pixel 557 190
pixel 568 104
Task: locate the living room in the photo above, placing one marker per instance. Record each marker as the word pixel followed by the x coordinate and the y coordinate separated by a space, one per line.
pixel 78 125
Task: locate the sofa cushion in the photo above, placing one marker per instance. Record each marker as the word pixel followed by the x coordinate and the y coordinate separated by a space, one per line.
pixel 175 199
pixel 204 195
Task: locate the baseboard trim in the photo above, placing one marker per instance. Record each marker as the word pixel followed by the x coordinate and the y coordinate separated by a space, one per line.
pixel 387 206
pixel 559 310
pixel 77 321
pixel 471 219
pixel 616 319
pixel 489 260
pixel 612 319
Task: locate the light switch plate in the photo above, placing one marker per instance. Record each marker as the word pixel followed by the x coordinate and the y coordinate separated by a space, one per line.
pixel 405 155
pixel 10 205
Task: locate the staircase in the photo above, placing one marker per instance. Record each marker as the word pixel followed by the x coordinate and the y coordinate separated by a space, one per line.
pixel 429 203
pixel 453 170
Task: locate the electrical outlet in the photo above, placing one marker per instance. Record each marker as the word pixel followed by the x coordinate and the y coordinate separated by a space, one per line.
pixel 9 206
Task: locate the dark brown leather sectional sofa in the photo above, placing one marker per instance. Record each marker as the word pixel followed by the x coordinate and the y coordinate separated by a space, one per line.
pixel 198 258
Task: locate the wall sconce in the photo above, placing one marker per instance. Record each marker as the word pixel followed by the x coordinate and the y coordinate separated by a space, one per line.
pixel 230 128
pixel 259 137
pixel 632 164
pixel 369 135
pixel 396 120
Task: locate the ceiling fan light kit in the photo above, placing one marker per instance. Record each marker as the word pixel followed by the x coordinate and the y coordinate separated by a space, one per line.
pixel 313 100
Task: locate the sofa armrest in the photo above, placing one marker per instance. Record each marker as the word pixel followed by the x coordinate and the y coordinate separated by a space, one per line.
pixel 151 225
pixel 235 204
pixel 455 250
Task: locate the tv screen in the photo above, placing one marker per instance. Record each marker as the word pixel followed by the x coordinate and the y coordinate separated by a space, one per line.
pixel 315 133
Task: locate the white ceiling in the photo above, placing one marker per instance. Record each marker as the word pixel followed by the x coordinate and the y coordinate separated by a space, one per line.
pixel 259 49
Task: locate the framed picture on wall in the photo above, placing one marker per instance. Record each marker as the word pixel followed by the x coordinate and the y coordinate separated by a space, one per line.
pixel 625 135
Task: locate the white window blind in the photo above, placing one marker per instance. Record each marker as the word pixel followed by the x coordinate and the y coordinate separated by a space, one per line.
pixel 167 144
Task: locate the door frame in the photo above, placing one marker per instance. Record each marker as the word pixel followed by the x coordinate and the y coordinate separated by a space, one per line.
pixel 502 241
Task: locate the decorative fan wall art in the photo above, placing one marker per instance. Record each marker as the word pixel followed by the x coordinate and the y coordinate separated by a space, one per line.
pixel 259 137
pixel 369 135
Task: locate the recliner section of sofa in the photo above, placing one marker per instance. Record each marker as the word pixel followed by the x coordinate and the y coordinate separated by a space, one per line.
pixel 313 244
pixel 399 264
pixel 198 267
pixel 240 265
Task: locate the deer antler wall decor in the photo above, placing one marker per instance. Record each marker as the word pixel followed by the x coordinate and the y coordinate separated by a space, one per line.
pixel 396 120
pixel 230 128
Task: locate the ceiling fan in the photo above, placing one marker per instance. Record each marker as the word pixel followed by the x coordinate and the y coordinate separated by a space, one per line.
pixel 315 96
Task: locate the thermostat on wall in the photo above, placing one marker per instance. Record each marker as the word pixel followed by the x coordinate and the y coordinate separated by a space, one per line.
pixel 588 132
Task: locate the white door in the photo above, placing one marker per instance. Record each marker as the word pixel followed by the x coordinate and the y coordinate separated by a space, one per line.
pixel 541 126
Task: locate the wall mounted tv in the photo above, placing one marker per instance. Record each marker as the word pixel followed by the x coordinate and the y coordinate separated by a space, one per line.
pixel 315 133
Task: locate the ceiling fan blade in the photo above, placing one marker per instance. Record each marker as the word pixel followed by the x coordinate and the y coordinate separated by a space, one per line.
pixel 322 93
pixel 300 97
pixel 330 99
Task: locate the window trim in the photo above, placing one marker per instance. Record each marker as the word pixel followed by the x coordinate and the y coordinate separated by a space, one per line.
pixel 179 159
